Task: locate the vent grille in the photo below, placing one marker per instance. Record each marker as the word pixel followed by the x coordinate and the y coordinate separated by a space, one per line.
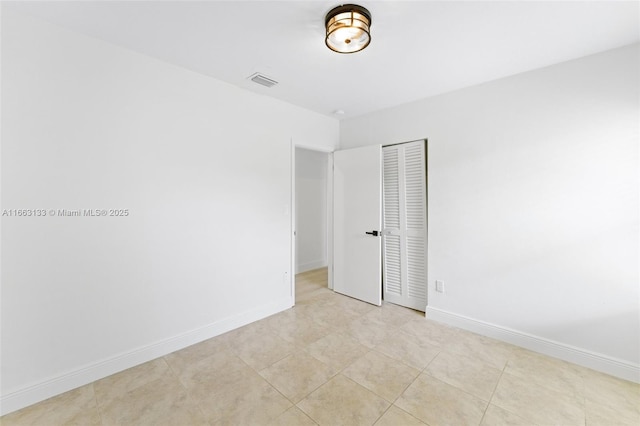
pixel 263 80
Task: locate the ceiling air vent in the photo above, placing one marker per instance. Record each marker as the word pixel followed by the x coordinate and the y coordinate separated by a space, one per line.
pixel 263 80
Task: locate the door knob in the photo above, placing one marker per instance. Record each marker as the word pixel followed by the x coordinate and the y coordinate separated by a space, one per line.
pixel 374 233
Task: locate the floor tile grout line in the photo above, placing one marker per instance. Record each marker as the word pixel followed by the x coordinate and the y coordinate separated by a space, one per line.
pixel 98 408
pixel 555 390
pixel 432 359
pixel 393 403
pixel 405 389
pixel 493 392
pixel 302 349
pixel 383 413
pixel 584 398
pixel 293 404
pixel 505 409
pixel 456 387
pixel 185 388
pixel 305 413
pixel 319 360
pixel 379 352
pixel 306 395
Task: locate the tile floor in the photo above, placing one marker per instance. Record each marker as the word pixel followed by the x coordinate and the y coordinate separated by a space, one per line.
pixel 333 360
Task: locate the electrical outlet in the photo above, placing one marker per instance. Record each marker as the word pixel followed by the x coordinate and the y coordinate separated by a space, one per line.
pixel 440 286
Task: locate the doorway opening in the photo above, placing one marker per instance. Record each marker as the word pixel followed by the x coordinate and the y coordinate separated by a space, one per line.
pixel 312 191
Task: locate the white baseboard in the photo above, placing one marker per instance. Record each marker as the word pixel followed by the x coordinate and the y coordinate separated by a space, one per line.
pixel 309 266
pixel 609 365
pixel 95 371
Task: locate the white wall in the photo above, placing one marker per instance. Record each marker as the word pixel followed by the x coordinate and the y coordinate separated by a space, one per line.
pixel 202 166
pixel 533 205
pixel 311 209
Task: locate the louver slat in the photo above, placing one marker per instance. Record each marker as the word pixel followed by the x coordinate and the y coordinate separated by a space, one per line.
pixel 416 269
pixel 392 274
pixel 414 187
pixel 391 196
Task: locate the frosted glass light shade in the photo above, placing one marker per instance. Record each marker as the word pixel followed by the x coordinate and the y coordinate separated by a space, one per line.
pixel 348 28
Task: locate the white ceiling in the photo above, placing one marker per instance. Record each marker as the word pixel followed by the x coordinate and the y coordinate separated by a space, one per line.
pixel 418 48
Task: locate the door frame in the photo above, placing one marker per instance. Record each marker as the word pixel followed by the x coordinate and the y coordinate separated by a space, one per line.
pixel 330 151
pixel 329 213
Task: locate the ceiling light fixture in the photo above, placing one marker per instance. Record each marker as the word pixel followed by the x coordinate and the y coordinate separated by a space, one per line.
pixel 347 28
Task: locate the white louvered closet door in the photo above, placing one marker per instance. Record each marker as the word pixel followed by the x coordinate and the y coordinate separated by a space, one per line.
pixel 404 233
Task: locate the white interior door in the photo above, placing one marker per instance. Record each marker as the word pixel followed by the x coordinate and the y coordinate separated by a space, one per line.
pixel 357 223
pixel 405 225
